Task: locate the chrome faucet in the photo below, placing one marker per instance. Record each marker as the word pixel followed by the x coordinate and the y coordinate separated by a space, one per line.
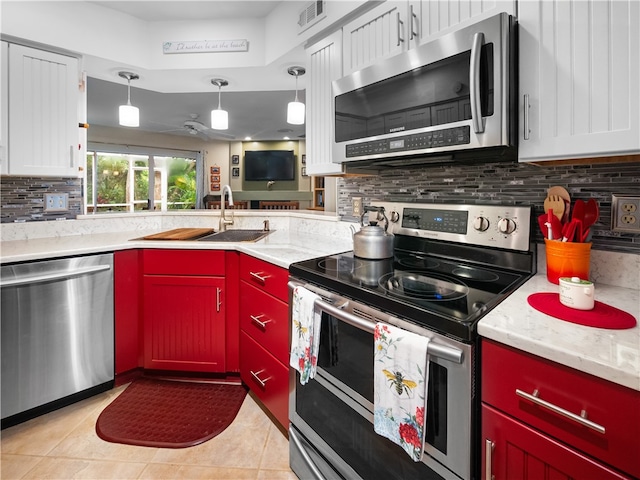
pixel 222 226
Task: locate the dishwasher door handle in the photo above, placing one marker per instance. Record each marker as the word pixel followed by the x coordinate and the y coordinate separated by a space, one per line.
pixel 47 277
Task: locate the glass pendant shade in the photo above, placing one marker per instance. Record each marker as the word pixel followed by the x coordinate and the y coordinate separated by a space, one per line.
pixel 129 116
pixel 295 113
pixel 219 119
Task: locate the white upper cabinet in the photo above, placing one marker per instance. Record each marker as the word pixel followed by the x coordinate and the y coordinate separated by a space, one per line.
pixel 379 33
pixel 324 64
pixel 4 108
pixel 396 26
pixel 579 79
pixel 43 113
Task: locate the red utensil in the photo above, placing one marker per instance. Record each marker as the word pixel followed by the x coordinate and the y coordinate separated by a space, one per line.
pixel 569 230
pixel 555 225
pixel 591 215
pixel 542 222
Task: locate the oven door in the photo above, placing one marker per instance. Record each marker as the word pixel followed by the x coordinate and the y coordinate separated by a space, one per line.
pixel 332 432
pixel 454 93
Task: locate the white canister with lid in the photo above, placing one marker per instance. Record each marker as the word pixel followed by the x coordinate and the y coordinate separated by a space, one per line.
pixel 577 293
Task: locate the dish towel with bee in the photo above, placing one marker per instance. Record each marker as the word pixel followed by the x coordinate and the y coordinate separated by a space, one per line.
pixel 400 380
pixel 305 333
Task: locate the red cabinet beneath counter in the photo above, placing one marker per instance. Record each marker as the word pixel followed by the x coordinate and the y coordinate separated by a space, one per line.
pixel 184 310
pixel 127 307
pixel 591 416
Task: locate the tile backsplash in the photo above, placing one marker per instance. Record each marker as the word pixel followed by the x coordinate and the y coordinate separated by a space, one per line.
pixel 507 183
pixel 22 198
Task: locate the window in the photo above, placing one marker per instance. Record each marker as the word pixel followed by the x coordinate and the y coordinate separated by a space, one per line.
pixel 121 182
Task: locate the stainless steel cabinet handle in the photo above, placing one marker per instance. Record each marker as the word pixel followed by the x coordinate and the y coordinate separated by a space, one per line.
pixel 46 277
pixel 581 419
pixel 256 319
pixel 400 28
pixel 414 21
pixel 474 83
pixel 218 299
pixel 488 460
pixel 526 107
pixel 260 278
pixel 263 383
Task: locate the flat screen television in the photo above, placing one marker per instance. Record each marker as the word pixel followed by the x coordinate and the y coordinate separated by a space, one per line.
pixel 269 165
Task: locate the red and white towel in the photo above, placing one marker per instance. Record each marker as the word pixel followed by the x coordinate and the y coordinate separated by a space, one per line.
pixel 400 376
pixel 305 333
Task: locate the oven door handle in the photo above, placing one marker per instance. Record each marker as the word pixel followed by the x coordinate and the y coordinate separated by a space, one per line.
pixel 434 349
pixel 293 437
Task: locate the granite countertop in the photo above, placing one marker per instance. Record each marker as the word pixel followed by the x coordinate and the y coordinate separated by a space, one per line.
pixel 613 355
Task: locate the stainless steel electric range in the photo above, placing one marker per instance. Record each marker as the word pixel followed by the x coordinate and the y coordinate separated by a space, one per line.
pixel 451 265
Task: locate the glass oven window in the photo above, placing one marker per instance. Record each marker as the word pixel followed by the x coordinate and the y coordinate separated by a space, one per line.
pixel 434 94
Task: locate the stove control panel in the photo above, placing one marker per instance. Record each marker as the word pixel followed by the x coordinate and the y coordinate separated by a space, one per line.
pixel 500 226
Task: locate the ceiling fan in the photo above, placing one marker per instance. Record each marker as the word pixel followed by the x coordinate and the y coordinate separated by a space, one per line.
pixel 194 127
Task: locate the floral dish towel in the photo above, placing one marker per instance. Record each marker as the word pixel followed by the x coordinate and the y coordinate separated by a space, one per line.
pixel 305 333
pixel 400 387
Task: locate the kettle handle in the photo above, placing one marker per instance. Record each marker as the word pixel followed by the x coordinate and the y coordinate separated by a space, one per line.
pixel 380 210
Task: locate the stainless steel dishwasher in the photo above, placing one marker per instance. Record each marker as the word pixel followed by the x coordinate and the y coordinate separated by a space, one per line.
pixel 57 334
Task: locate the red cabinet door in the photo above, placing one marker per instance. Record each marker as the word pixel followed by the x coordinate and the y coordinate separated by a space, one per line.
pixel 128 321
pixel 184 323
pixel 520 452
pixel 266 376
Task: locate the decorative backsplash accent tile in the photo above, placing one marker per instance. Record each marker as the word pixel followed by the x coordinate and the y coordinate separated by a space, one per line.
pixel 504 183
pixel 22 198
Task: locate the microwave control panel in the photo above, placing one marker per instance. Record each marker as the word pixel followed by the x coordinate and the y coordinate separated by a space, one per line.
pixel 406 143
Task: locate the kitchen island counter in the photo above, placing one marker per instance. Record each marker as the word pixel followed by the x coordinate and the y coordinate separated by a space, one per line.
pixel 613 355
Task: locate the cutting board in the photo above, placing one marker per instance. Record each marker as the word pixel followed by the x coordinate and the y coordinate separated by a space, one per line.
pixel 180 234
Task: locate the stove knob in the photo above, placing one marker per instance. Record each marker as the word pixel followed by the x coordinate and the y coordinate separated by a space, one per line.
pixel 481 224
pixel 506 226
pixel 394 216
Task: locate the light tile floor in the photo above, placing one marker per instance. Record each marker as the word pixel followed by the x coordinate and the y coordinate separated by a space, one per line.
pixel 63 445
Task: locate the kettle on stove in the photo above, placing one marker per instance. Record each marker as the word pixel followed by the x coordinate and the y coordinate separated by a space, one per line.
pixel 373 242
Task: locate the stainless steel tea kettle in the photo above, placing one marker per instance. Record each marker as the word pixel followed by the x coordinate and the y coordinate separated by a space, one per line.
pixel 373 242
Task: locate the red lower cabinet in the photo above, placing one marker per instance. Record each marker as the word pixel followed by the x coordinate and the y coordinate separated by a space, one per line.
pixel 127 301
pixel 184 310
pixel 264 334
pixel 266 376
pixel 541 419
pixel 513 450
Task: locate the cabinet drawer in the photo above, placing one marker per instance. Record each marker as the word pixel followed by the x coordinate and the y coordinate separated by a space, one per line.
pixel 266 376
pixel 508 375
pixel 266 320
pixel 183 262
pixel 266 276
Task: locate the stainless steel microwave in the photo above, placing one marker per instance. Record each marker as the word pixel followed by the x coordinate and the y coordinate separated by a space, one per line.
pixel 451 96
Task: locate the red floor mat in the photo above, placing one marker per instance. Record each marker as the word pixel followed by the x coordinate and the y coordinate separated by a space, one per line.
pixel 169 414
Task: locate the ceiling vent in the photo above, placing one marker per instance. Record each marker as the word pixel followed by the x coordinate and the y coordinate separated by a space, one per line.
pixel 311 14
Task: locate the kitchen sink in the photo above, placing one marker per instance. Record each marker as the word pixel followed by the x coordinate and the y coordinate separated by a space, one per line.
pixel 236 236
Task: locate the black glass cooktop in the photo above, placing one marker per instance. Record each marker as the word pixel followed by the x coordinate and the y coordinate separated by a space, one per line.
pixel 446 295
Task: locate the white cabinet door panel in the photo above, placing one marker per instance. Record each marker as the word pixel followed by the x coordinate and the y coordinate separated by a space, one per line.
pixel 43 113
pixel 580 70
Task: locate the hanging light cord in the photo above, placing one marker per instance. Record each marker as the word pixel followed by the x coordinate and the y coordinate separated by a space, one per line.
pixel 219 95
pixel 128 91
pixel 296 99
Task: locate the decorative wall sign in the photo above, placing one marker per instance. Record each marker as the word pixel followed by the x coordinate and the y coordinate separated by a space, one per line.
pixel 235 172
pixel 235 159
pixel 205 46
pixel 215 187
pixel 215 178
pixel 304 171
pixel 215 169
pixel 304 158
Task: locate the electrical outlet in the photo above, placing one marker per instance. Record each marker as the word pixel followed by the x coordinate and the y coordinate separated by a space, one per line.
pixel 625 214
pixel 356 206
pixel 56 202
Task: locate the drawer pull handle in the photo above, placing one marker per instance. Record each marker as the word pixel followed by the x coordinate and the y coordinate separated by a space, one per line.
pixel 488 452
pixel 260 323
pixel 262 383
pixel 581 419
pixel 260 278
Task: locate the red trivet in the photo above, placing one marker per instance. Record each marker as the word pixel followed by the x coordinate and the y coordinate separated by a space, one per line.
pixel 602 315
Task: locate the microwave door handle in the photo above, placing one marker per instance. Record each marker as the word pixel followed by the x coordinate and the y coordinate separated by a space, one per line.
pixel 474 83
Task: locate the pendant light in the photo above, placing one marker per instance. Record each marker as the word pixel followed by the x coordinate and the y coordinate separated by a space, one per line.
pixel 219 117
pixel 295 109
pixel 129 115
